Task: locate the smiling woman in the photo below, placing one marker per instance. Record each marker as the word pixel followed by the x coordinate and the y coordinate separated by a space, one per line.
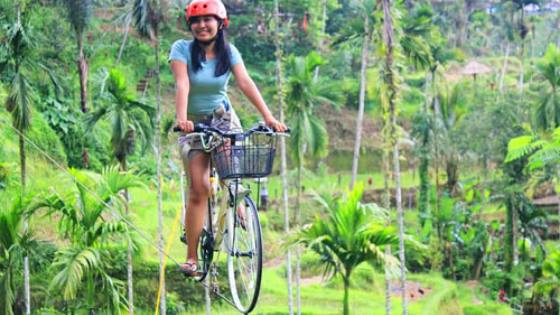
pixel 201 69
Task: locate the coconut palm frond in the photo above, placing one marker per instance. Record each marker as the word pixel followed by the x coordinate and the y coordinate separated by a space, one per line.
pixel 19 101
pixel 143 18
pixel 73 264
pixel 7 296
pixel 347 237
pixel 79 14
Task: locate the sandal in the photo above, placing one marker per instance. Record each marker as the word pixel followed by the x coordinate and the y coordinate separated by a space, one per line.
pixel 190 269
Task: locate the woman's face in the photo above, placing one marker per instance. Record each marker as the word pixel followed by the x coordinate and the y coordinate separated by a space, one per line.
pixel 204 28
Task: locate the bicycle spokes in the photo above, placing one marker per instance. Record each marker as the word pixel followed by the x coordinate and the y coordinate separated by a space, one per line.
pixel 245 256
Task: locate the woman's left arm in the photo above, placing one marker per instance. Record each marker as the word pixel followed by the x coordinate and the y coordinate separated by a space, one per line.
pixel 249 88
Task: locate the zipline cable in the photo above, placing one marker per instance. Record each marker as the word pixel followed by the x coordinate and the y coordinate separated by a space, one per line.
pixel 118 215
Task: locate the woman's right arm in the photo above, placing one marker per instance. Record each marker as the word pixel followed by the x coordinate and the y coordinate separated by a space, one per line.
pixel 182 86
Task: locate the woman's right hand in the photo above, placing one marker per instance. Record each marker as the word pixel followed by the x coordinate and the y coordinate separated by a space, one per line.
pixel 185 125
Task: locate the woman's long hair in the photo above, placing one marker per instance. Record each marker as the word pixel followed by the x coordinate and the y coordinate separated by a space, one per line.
pixel 221 50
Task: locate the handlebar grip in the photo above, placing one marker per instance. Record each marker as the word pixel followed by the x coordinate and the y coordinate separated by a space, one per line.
pixel 197 128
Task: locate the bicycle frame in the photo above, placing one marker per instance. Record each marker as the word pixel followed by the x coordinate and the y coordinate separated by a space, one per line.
pixel 219 212
pixel 254 158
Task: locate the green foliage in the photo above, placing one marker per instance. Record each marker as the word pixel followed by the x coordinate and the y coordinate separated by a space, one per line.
pixel 46 139
pixel 19 101
pixel 550 282
pixel 351 234
pixel 130 119
pixel 15 244
pixel 67 122
pixel 3 175
pixel 548 112
pixel 145 18
pixel 79 14
pixel 82 268
pixel 540 150
pixel 305 95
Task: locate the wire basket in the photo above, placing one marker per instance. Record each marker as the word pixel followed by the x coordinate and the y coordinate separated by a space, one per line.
pixel 245 156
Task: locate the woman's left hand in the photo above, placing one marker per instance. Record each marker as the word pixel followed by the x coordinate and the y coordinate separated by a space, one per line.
pixel 275 124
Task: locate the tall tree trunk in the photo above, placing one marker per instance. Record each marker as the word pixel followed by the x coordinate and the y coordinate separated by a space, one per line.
pixel 298 224
pixel 461 25
pixel 508 249
pixel 130 270
pixel 321 37
pixel 392 90
pixel 522 69
pixel 126 31
pixel 346 280
pixel 386 205
pixel 363 83
pixel 515 236
pixel 158 149
pixel 424 206
pixel 283 153
pixel 558 197
pixel 83 73
pixel 26 271
pixel 504 69
pixel 436 118
pixel 522 53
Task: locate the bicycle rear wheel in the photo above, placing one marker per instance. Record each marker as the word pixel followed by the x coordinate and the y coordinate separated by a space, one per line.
pixel 244 255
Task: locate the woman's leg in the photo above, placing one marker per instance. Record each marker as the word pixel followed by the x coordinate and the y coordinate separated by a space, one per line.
pixel 199 189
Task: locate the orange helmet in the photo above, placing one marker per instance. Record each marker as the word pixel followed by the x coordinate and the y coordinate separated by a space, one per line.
pixel 207 7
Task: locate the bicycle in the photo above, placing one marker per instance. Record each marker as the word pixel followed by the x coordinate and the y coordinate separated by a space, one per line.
pixel 235 156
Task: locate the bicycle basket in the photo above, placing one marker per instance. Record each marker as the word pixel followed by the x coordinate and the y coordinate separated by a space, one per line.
pixel 245 156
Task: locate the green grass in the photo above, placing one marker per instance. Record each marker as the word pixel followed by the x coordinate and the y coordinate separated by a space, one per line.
pixel 336 182
pixel 445 297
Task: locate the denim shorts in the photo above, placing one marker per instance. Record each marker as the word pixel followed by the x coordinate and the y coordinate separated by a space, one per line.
pixel 223 118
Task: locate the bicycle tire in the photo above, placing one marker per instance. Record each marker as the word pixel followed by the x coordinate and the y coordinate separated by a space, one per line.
pixel 245 244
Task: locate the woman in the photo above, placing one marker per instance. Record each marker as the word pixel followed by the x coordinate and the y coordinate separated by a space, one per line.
pixel 202 68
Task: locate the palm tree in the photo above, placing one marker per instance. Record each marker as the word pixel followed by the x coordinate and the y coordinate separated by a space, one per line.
pixel 15 244
pixel 391 82
pixel 283 153
pixel 147 19
pixel 18 104
pixel 79 14
pixel 450 114
pixel 422 44
pixel 308 136
pixel 82 268
pixel 548 112
pixel 351 234
pixel 130 120
pixel 519 5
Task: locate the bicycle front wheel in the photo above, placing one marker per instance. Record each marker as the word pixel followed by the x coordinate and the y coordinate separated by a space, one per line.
pixel 244 255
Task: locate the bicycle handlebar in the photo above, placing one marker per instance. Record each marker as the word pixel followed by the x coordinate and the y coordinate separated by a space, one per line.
pixel 260 128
